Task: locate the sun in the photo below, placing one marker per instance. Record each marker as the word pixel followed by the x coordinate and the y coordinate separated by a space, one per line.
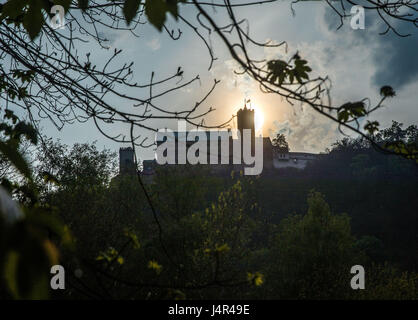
pixel 258 120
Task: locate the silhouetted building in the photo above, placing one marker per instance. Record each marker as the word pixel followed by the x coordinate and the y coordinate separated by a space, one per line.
pixel 272 158
pixel 245 120
pixel 297 160
pixel 126 161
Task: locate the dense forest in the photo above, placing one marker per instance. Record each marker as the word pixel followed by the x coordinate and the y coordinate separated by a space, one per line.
pixel 294 234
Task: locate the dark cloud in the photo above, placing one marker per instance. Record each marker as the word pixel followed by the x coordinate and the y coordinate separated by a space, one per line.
pixel 396 61
pixel 395 58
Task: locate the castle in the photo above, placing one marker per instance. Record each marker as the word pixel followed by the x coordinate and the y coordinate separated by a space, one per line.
pixel 273 159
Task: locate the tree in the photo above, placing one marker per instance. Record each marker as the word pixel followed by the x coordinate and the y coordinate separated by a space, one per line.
pixel 125 251
pixel 312 254
pixel 280 143
pixel 29 231
pixel 385 282
pixel 75 167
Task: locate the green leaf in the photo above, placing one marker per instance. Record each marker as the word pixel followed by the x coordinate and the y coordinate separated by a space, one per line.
pixel 154 265
pixel 277 71
pixel 134 238
pixel 222 248
pixel 358 109
pixel 65 3
pixel 49 178
pixel 372 127
pixel 10 273
pixel 387 91
pixel 13 155
pixel 9 114
pixel 130 9
pixel 291 76
pixel 47 219
pixel 83 4
pixel 155 11
pixel 33 19
pixel 26 130
pixel 343 116
pixel 256 279
pixel 12 9
pixel 172 7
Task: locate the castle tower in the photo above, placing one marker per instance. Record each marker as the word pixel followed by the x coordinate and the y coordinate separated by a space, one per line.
pixel 126 160
pixel 245 120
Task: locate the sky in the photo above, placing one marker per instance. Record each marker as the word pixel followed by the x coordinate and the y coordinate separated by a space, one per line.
pixel 358 62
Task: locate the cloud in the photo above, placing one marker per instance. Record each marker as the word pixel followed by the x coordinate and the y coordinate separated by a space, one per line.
pixel 393 57
pixel 306 131
pixel 154 44
pixel 396 62
pixel 226 73
pixel 358 62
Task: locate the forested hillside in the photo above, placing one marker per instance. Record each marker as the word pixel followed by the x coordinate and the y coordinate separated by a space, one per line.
pixel 189 234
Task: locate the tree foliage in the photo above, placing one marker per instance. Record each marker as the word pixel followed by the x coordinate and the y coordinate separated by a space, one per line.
pixel 280 143
pixel 160 241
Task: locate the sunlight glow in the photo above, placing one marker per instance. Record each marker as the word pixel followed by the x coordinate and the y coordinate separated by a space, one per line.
pixel 258 120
